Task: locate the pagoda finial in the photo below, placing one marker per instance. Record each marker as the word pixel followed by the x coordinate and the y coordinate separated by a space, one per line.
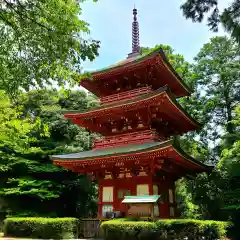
pixel 135 35
pixel 135 32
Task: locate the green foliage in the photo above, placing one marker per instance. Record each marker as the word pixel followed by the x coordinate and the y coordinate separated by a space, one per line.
pixel 127 230
pixel 30 184
pixel 230 161
pixel 41 228
pixel 41 43
pixel 229 168
pixel 165 229
pixel 196 10
pixel 217 68
pixel 213 102
pixel 15 132
pixel 217 195
pixel 186 206
pixel 216 95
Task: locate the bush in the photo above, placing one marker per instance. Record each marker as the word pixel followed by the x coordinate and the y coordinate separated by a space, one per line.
pixel 43 228
pixel 164 230
pixel 193 229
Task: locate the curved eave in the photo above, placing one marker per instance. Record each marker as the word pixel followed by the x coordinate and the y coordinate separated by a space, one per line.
pixel 189 158
pixel 161 93
pixel 172 70
pixel 165 149
pixel 132 65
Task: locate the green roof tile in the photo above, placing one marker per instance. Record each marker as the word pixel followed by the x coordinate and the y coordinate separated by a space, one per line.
pixel 128 149
pixel 107 151
pixel 126 61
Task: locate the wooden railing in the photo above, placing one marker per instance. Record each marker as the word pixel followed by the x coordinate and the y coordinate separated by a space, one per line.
pixel 124 95
pixel 129 138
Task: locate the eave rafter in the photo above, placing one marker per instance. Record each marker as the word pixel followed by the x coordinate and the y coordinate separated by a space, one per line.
pixel 167 153
pixel 159 98
pixel 155 59
pixel 166 166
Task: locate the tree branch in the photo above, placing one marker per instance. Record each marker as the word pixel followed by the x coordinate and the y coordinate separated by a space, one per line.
pixel 26 16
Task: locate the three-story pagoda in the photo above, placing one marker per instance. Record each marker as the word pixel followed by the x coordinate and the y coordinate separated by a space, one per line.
pixel 138 118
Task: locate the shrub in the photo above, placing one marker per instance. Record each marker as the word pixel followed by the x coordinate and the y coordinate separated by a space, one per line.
pixel 193 229
pixel 43 228
pixel 126 230
pixel 164 230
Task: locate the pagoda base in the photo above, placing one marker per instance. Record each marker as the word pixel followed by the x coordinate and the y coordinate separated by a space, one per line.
pixel 113 190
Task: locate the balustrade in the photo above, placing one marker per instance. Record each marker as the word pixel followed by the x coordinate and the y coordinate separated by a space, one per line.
pixel 129 138
pixel 124 95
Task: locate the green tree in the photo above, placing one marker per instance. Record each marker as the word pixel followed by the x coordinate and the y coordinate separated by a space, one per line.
pixel 216 93
pixel 218 90
pixel 197 9
pixel 41 43
pixel 218 80
pixel 229 170
pixel 16 141
pixel 229 166
pixel 36 186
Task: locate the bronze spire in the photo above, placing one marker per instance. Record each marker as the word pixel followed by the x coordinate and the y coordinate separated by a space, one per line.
pixel 135 35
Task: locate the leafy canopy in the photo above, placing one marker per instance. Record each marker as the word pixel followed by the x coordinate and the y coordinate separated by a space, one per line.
pixel 15 133
pixel 229 167
pixel 197 9
pixel 216 102
pixel 216 94
pixel 42 42
pixel 218 75
pixel 33 129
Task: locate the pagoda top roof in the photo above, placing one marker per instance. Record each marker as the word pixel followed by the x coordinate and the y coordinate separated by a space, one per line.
pixel 135 59
pixel 130 64
pixel 127 150
pixel 126 61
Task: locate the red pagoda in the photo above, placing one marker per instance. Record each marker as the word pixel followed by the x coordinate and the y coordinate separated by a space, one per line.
pixel 138 118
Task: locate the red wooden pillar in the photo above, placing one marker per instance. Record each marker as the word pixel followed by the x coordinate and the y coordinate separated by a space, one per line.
pixel 163 191
pixel 115 192
pixel 134 185
pixel 150 185
pixel 171 186
pixel 156 181
pixel 151 176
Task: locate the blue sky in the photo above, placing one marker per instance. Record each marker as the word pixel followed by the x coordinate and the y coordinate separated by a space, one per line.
pixel 160 22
